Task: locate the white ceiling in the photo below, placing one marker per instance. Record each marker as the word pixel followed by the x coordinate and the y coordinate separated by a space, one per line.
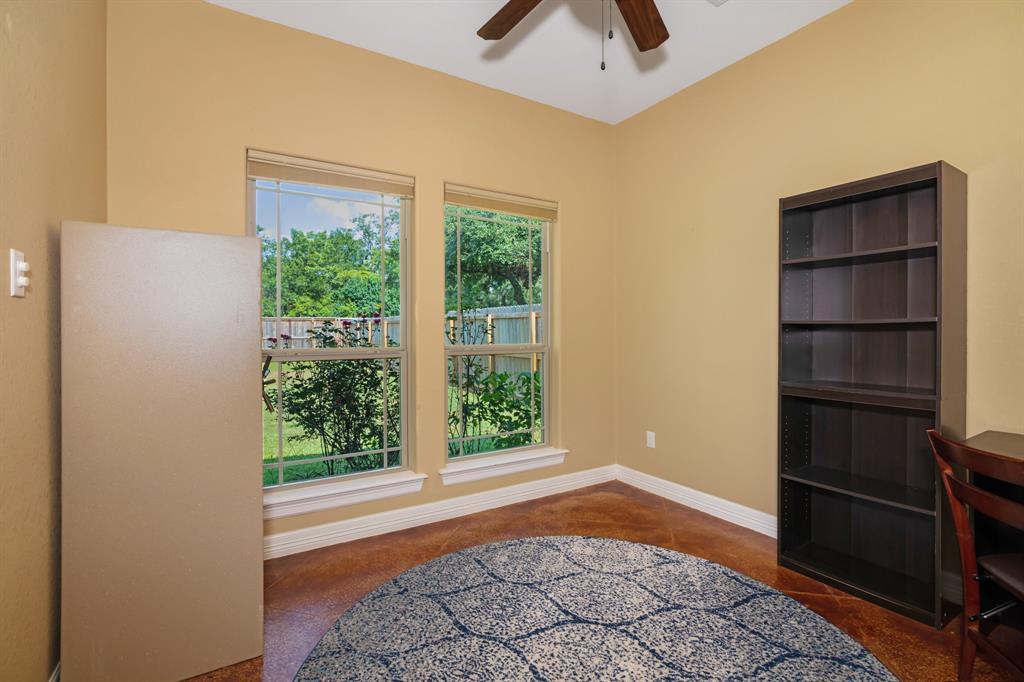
pixel 553 56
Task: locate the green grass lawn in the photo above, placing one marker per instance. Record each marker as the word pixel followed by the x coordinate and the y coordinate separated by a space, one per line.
pixel 293 449
pixel 296 447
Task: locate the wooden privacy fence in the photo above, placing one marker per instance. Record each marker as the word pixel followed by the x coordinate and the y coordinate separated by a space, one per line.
pixel 498 325
pixel 296 332
pixel 517 324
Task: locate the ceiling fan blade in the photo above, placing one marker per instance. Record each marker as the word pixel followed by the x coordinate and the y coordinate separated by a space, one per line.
pixel 506 19
pixel 644 23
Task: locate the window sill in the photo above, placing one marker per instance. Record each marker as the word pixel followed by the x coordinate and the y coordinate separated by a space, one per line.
pixel 330 494
pixel 476 468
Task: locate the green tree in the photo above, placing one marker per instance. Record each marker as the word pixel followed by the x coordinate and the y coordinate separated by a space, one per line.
pixel 335 273
pixel 496 259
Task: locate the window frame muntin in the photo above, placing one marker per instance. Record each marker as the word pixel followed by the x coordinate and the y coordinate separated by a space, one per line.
pixel 405 206
pixel 542 348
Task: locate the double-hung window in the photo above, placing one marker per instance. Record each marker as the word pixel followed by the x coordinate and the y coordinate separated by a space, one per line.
pixel 333 337
pixel 497 326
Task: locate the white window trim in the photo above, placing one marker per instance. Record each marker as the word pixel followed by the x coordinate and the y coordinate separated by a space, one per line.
pixel 473 468
pixel 339 492
pixel 543 348
pixel 345 490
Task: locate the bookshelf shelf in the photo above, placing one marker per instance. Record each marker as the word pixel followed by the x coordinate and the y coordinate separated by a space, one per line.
pixel 892 252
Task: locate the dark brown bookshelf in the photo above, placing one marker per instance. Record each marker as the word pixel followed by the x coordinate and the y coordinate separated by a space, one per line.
pixel 872 339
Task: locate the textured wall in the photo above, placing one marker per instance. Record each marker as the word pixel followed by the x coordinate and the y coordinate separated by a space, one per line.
pixel 873 87
pixel 52 166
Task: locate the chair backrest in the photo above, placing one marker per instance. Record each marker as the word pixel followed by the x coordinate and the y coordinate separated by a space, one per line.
pixel 989 464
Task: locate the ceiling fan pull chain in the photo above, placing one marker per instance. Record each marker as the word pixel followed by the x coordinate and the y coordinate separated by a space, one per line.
pixel 602 33
pixel 610 33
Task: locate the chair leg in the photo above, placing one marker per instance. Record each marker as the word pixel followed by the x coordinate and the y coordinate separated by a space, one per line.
pixel 968 648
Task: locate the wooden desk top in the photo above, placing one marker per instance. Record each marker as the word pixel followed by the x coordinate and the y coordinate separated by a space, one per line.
pixel 999 442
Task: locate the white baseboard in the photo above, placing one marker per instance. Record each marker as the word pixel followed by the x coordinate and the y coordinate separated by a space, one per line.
pixel 303 539
pixel 766 524
pixel 55 675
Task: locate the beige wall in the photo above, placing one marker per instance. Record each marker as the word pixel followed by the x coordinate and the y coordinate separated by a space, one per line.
pixel 697 180
pixel 52 166
pixel 871 88
pixel 692 182
pixel 191 85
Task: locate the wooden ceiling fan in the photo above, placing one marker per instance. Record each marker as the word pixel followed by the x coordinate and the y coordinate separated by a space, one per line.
pixel 641 16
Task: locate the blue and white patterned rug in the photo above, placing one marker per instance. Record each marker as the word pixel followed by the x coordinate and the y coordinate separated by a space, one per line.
pixel 582 608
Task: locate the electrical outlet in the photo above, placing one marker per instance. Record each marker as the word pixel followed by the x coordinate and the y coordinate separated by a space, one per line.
pixel 650 439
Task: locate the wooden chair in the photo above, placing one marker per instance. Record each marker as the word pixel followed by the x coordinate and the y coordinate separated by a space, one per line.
pixel 1005 570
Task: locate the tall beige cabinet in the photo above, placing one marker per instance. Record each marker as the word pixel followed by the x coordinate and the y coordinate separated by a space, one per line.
pixel 161 513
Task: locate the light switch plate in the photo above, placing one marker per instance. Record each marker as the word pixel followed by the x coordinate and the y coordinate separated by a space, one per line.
pixel 18 273
pixel 650 439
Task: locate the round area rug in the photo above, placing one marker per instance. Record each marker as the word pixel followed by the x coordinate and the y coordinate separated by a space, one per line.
pixel 582 608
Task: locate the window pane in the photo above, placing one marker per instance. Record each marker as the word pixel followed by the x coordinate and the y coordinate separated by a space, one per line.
pixel 452 329
pixel 392 320
pixel 394 458
pixel 271 444
pixel 330 257
pixel 332 417
pixel 495 402
pixel 537 282
pixel 333 467
pixel 455 426
pixel 393 372
pixel 332 288
pixel 477 446
pixel 493 265
pixel 537 398
pixel 270 414
pixel 266 230
pixel 334 406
